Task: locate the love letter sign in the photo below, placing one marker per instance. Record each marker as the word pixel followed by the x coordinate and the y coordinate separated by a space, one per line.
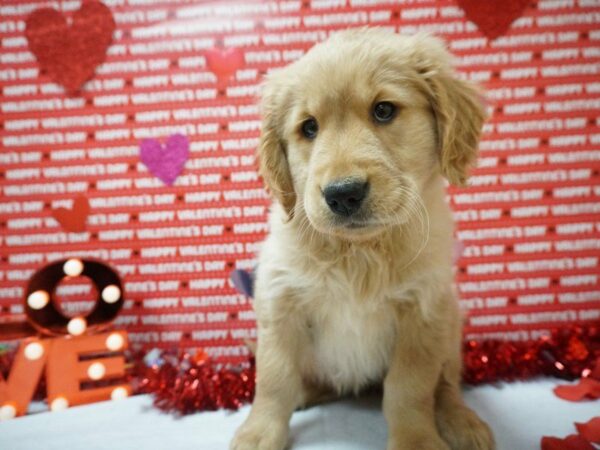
pixel 83 363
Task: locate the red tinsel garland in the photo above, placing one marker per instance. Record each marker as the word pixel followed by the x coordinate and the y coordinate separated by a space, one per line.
pixel 567 353
pixel 185 383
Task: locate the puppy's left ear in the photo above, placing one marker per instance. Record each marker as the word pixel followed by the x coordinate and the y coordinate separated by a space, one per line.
pixel 458 107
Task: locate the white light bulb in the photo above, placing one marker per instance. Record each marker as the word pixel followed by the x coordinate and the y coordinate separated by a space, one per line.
pixel 111 293
pixel 7 412
pixel 73 267
pixel 38 299
pixel 59 404
pixel 76 326
pixel 119 393
pixel 34 351
pixel 96 370
pixel 114 342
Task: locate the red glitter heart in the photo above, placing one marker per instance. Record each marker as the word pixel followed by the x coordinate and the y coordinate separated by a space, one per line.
pixel 73 219
pixel 494 17
pixel 69 54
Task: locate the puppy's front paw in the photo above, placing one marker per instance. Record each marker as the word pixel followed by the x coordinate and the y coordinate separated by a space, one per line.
pixel 464 430
pixel 260 435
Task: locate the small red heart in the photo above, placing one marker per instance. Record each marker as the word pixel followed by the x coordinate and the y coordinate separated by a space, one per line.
pixel 73 219
pixel 70 54
pixel 590 430
pixel 494 17
pixel 585 388
pixel 224 63
pixel 571 442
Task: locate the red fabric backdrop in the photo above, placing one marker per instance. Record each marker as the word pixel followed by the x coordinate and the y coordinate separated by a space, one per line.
pixel 530 223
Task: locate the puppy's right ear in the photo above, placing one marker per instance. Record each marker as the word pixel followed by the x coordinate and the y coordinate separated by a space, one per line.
pixel 272 152
pixel 457 105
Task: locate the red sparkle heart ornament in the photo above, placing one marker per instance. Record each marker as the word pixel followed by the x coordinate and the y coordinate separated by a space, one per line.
pixel 494 17
pixel 75 218
pixel 224 62
pixel 70 53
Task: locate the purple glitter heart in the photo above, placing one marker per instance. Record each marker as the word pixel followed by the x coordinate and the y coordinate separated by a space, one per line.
pixel 165 164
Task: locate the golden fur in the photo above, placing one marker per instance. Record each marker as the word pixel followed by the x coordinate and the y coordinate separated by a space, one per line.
pixel 340 308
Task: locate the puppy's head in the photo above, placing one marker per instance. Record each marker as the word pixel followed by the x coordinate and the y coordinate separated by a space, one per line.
pixel 356 128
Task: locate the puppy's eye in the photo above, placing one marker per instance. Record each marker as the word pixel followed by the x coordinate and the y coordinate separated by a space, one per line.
pixel 383 112
pixel 310 128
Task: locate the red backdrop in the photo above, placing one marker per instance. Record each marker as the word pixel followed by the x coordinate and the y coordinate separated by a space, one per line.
pixel 530 223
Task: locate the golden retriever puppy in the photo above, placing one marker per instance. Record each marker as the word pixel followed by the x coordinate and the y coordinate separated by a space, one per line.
pixel 354 282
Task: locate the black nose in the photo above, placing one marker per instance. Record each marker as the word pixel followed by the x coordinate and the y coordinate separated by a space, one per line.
pixel 345 197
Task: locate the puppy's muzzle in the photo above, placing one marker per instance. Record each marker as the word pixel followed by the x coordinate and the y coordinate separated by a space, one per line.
pixel 344 197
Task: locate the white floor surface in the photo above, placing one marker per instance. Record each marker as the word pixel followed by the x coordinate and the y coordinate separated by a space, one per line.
pixel 519 413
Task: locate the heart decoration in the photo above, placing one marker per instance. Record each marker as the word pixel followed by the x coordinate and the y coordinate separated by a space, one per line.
pixel 165 164
pixel 69 54
pixel 584 388
pixel 571 442
pixel 73 219
pixel 590 430
pixel 224 62
pixel 494 17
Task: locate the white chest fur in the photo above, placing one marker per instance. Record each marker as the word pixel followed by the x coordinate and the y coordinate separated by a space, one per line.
pixel 351 341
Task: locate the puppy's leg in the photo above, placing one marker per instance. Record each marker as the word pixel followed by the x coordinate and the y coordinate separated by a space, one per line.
pixel 458 424
pixel 409 386
pixel 278 392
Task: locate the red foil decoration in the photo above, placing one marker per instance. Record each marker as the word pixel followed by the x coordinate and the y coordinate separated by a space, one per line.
pixel 69 54
pixel 494 17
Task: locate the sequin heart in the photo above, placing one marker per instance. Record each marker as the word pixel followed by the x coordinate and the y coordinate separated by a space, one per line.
pixel 224 62
pixel 494 17
pixel 73 219
pixel 70 53
pixel 165 163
